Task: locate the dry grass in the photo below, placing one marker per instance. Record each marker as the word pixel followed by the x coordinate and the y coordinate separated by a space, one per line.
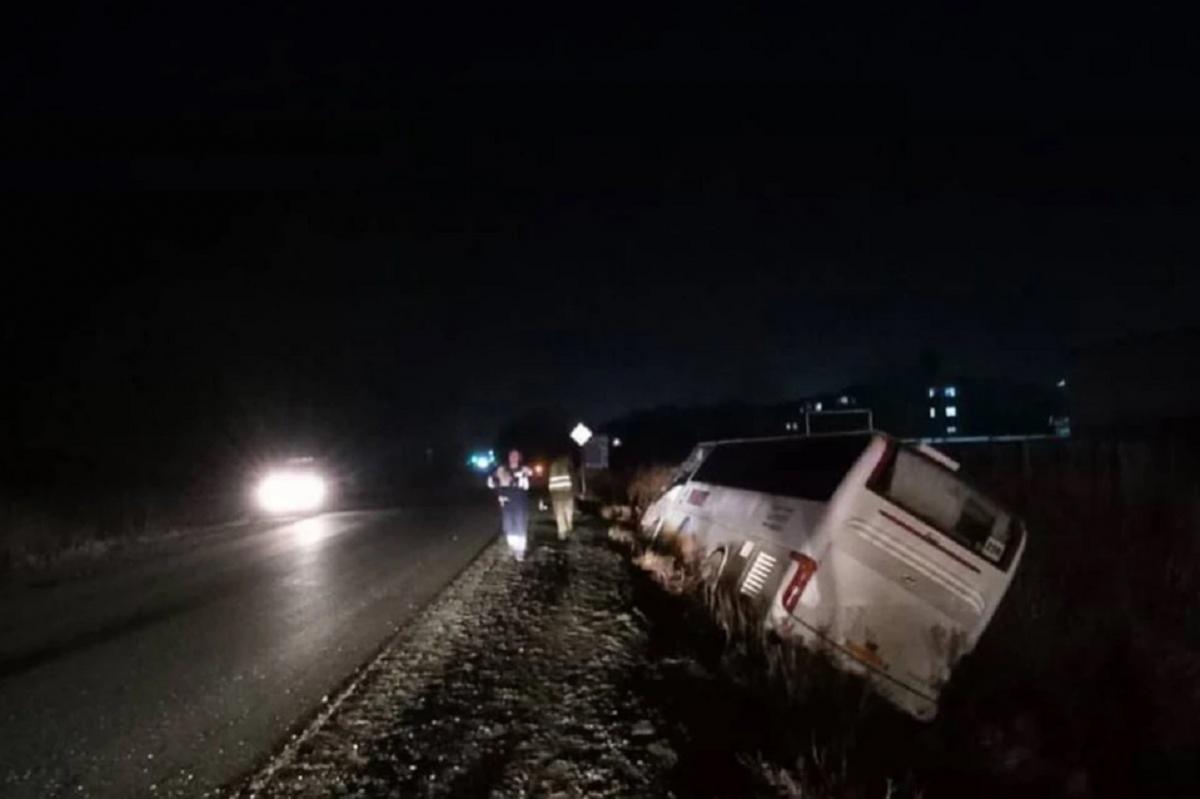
pixel 666 571
pixel 816 774
pixel 621 536
pixel 30 539
pixel 648 484
pixel 82 529
pixel 622 514
pixel 1088 671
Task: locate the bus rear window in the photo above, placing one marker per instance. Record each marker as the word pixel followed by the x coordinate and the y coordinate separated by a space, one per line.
pixel 940 498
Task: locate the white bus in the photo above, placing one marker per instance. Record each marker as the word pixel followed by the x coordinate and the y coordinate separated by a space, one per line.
pixel 877 553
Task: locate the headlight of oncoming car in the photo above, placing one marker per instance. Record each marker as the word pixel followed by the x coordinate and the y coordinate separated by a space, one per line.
pixel 290 492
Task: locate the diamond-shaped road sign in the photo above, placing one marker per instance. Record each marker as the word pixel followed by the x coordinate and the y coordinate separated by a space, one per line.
pixel 581 434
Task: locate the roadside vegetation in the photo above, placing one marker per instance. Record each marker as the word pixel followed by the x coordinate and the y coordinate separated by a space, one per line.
pixel 90 527
pixel 1086 684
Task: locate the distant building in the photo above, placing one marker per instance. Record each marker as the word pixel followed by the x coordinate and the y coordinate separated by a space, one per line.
pixel 937 408
pixel 944 401
pixel 916 407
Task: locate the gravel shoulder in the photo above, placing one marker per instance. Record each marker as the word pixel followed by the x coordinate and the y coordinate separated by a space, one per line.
pixel 520 678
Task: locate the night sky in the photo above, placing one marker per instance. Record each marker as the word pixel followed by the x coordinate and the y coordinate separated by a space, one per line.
pixel 434 224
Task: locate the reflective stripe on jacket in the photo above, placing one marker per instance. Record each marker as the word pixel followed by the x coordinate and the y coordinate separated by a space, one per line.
pixel 504 477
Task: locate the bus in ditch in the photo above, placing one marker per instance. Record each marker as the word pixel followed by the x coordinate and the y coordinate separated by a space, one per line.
pixel 877 553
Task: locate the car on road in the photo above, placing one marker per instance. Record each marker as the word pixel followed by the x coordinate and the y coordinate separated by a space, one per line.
pixel 297 486
pixel 880 554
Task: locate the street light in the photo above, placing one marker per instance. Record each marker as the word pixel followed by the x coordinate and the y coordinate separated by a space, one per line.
pixel 482 461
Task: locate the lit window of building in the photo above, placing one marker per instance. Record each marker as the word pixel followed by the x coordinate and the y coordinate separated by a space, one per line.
pixel 932 412
pixel 932 391
pixel 952 411
pixel 951 391
pixel 951 430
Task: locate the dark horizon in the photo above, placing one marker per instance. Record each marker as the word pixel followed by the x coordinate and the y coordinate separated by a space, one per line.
pixel 380 241
pixel 566 268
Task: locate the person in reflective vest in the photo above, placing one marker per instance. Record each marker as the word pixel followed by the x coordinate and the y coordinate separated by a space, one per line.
pixel 511 484
pixel 562 495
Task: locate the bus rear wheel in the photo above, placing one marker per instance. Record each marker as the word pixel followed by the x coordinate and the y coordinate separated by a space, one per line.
pixel 712 569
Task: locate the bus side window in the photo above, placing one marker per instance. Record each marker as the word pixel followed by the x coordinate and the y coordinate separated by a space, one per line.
pixel 809 469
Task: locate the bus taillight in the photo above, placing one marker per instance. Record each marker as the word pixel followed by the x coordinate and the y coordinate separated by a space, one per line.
pixel 806 567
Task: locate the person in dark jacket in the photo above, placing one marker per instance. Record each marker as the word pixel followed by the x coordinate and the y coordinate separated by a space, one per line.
pixel 511 484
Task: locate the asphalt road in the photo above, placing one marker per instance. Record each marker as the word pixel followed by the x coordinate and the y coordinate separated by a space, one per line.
pixel 180 670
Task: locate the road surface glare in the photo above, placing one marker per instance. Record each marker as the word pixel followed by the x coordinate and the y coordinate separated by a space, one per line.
pixel 175 673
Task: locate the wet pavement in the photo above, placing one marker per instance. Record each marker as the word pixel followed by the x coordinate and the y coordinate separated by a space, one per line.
pixel 175 671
